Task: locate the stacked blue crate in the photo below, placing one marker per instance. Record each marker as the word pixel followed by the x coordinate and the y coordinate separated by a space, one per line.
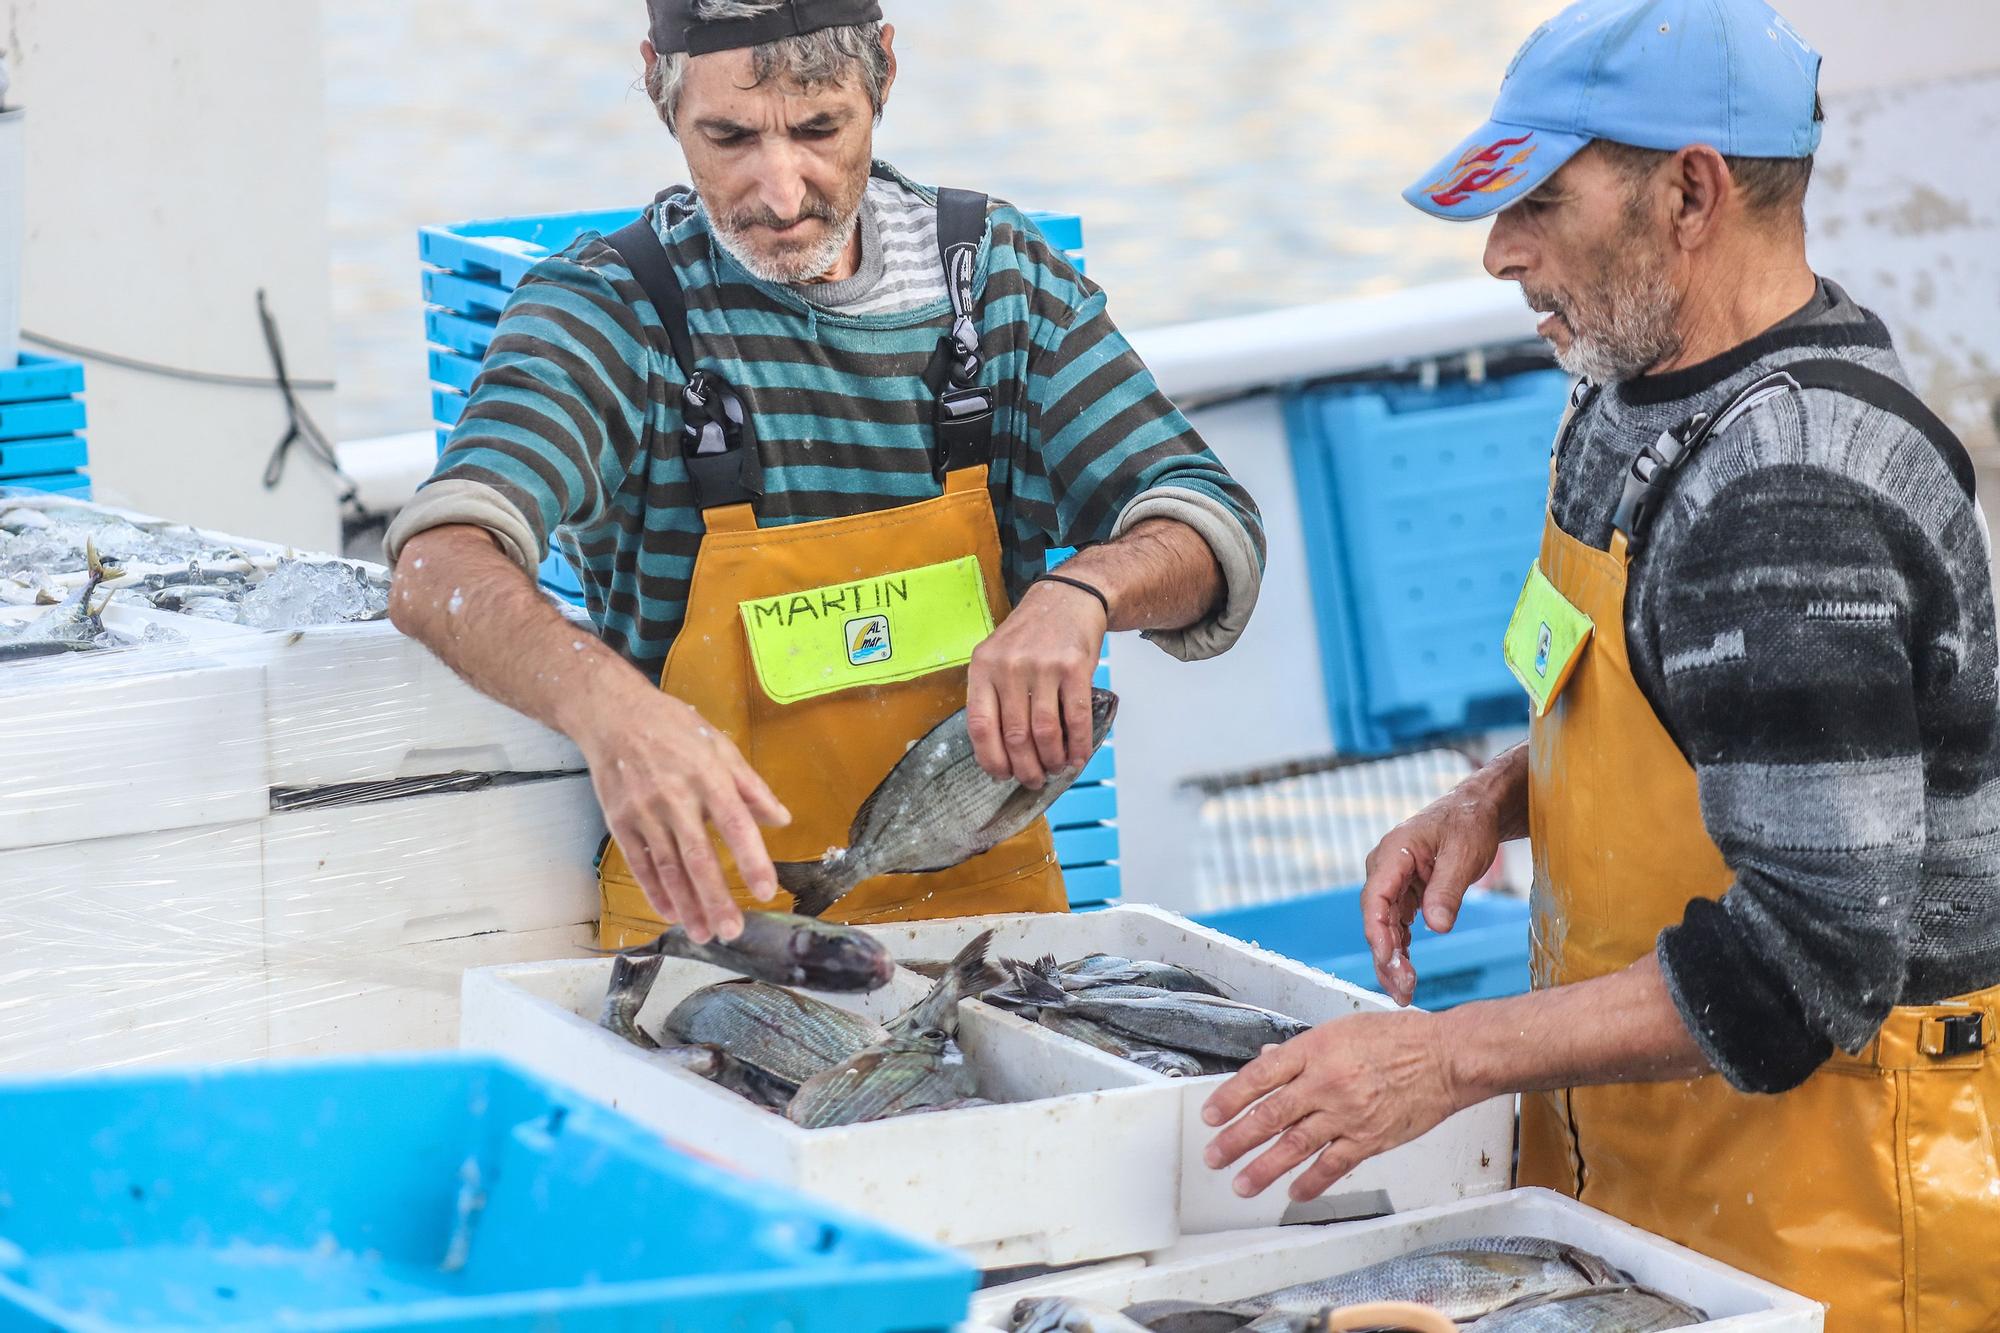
pixel 470 270
pixel 41 426
pixel 1422 510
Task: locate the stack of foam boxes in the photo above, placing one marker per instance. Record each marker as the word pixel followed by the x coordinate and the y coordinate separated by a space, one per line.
pixel 472 268
pixel 42 446
pixel 228 844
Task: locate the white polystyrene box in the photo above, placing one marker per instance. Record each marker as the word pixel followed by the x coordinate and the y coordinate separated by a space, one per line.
pixel 1251 1263
pixel 1076 1165
pixel 1469 1154
pixel 140 949
pixel 399 999
pixel 353 881
pixel 98 745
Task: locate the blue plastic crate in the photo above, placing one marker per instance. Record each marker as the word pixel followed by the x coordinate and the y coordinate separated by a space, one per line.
pixel 441 1192
pixel 1422 511
pixel 1092 886
pixel 453 370
pixel 40 418
pixel 75 484
pixel 447 405
pixel 1083 805
pixel 458 333
pixel 1484 956
pixel 53 453
pixel 40 377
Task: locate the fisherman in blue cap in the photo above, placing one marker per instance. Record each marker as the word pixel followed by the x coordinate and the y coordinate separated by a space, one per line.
pixel 807 432
pixel 1762 787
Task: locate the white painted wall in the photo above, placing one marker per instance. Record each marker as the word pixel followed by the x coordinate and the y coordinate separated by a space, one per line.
pixel 1869 44
pixel 175 164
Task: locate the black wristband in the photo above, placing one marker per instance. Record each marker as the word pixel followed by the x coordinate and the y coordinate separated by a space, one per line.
pixel 1080 585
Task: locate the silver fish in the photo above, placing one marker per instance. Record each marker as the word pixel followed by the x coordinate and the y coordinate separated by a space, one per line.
pixel 1187 1317
pixel 920 1065
pixel 782 949
pixel 71 627
pixel 1101 969
pixel 1174 1064
pixel 1624 1308
pixel 1198 1024
pixel 780 1033
pixel 1067 1314
pixel 937 808
pixel 1464 1279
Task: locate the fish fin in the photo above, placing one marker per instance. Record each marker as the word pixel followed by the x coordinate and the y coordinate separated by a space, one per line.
pixel 1037 986
pixel 814 885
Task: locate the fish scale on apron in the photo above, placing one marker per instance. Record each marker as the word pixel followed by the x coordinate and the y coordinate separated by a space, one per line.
pixel 1873 1186
pixel 825 649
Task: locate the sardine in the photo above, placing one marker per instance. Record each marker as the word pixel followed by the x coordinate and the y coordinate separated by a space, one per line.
pixel 1463 1279
pixel 1198 1024
pixel 1174 1064
pixel 1625 1308
pixel 1067 1314
pixel 782 949
pixel 920 1066
pixel 780 1033
pixel 936 809
pixel 71 627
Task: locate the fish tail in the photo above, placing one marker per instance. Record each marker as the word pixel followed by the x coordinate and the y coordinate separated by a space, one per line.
pixel 1038 986
pixel 814 885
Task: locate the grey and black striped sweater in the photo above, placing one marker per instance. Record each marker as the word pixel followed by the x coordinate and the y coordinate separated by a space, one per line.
pixel 1813 620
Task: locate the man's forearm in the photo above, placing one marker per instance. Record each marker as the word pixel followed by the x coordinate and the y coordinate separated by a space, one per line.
pixel 1621 1028
pixel 1158 575
pixel 1504 782
pixel 456 593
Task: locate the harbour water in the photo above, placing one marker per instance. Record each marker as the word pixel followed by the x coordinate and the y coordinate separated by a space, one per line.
pixel 1226 157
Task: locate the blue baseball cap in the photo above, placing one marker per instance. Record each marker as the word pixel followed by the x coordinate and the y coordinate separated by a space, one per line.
pixel 1664 74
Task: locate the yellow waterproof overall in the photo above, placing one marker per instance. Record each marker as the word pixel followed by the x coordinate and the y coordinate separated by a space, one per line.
pixel 826 750
pixel 1873 1186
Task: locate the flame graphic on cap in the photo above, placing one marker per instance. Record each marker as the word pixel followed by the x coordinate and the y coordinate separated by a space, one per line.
pixel 1474 173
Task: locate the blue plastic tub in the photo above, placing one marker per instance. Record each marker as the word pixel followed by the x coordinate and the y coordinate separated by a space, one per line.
pixel 431 1192
pixel 1422 511
pixel 1484 956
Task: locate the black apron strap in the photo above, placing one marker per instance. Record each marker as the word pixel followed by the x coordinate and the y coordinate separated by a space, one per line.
pixel 964 409
pixel 1652 472
pixel 715 429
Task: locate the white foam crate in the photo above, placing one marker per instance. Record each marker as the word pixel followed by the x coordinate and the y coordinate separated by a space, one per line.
pixel 1076 1165
pixel 401 999
pixel 1230 1268
pixel 101 745
pixel 142 948
pixel 1469 1154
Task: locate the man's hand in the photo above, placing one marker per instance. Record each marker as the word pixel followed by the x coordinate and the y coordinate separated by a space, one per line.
pixel 1346 1090
pixel 1430 859
pixel 1027 699
pixel 665 776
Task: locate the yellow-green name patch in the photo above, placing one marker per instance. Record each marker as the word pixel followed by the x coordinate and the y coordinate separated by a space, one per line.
pixel 1545 640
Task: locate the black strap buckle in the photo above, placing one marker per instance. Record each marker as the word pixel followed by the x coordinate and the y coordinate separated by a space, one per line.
pixel 1961 1034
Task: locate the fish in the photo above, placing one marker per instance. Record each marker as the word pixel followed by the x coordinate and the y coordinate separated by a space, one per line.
pixel 1197 1024
pixel 71 627
pixel 1101 969
pixel 1174 1064
pixel 1187 1317
pixel 1067 1314
pixel 920 1066
pixel 936 809
pixel 1463 1279
pixel 783 1036
pixel 1623 1308
pixel 777 947
pixel 962 1104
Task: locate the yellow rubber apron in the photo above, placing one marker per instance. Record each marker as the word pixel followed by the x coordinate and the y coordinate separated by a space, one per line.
pixel 1873 1186
pixel 804 611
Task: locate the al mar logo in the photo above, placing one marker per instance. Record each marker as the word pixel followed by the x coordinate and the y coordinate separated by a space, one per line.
pixel 1542 644
pixel 868 640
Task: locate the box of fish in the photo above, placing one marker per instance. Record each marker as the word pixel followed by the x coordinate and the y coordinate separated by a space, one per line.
pixel 1526 1261
pixel 345 697
pixel 446 1193
pixel 951 1120
pixel 1188 1005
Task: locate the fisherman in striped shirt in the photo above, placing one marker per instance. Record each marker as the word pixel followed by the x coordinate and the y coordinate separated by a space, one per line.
pixel 807 432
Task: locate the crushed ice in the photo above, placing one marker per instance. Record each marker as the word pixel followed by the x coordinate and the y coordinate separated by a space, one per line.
pixel 313 592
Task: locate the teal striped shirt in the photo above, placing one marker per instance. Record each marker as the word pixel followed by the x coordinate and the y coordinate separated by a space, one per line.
pixel 574 422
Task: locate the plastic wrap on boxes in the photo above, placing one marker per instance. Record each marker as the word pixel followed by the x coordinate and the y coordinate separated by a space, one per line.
pixel 222 842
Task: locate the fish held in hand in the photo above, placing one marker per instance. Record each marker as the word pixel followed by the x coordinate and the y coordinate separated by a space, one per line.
pixel 936 809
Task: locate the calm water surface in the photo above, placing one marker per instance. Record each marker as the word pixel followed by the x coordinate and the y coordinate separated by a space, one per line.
pixel 1226 157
